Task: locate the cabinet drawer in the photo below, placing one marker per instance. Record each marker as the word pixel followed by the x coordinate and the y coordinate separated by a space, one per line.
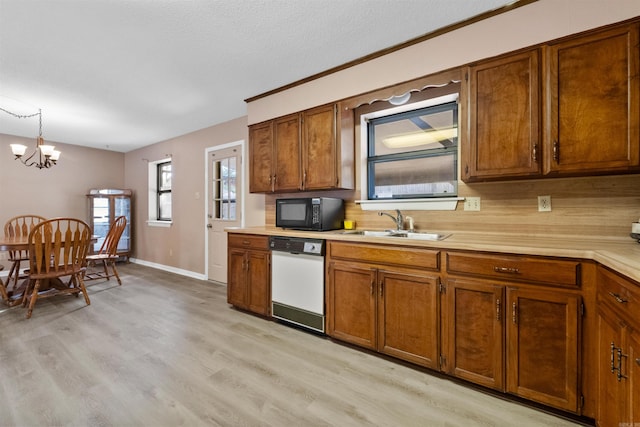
pixel 620 293
pixel 389 255
pixel 248 241
pixel 522 268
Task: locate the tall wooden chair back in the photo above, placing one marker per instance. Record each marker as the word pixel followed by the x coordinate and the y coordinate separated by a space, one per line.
pixel 58 249
pixel 17 227
pixel 108 253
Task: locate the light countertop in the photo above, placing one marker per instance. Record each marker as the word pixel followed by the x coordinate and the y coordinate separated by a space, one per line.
pixel 619 254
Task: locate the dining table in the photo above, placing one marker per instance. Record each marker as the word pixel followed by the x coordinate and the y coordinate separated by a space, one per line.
pixel 18 243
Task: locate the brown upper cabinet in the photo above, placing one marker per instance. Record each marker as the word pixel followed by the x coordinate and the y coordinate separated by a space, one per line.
pixel 504 136
pixel 310 150
pixel 568 108
pixel 592 99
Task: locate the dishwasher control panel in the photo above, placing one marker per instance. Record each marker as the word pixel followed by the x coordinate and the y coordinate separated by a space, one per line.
pixel 297 245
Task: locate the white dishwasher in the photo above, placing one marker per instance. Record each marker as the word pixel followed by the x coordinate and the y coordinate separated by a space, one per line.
pixel 297 281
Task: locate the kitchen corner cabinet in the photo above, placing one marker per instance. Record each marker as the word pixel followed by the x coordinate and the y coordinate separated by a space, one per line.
pixel 593 103
pixel 510 326
pixel 504 115
pixel 385 299
pixel 105 205
pixel 249 273
pixel 310 150
pixel 618 369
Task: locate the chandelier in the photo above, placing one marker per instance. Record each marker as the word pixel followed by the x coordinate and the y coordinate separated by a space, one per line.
pixel 44 155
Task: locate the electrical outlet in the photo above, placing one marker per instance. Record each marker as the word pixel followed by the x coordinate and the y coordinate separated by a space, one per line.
pixel 472 203
pixel 544 203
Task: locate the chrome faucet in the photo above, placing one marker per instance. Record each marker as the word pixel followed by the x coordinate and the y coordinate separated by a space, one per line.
pixel 399 219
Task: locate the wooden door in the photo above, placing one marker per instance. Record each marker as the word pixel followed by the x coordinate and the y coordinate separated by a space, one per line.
pixel 287 153
pixel 319 148
pixel 543 346
pixel 259 282
pixel 261 157
pixel 593 94
pixel 504 135
pixel 351 304
pixel 474 348
pixel 237 278
pixel 611 409
pixel 408 317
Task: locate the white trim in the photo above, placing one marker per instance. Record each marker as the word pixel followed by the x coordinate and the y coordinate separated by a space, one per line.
pixel 243 169
pixel 435 204
pixel 156 223
pixel 170 269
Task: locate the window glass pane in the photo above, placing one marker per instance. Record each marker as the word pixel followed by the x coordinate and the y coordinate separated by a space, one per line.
pixel 421 177
pixel 164 206
pixel 414 153
pixel 225 189
pixel 415 132
pixel 164 176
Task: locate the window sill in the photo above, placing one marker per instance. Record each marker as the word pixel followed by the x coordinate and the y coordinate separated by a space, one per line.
pixel 435 204
pixel 154 223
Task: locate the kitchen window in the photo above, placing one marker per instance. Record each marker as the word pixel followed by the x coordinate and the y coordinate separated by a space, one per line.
pixel 410 153
pixel 413 154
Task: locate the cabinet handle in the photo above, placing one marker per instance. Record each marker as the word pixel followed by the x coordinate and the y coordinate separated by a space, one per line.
pixel 638 361
pixel 514 313
pixel 613 358
pixel 556 151
pixel 618 298
pixel 507 270
pixel 381 284
pixel 498 309
pixel 620 376
pixel 534 153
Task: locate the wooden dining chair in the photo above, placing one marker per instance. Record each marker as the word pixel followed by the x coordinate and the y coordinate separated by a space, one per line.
pixel 108 253
pixel 58 250
pixel 16 227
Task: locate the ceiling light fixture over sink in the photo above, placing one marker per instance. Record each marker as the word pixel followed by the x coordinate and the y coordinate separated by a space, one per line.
pixel 44 156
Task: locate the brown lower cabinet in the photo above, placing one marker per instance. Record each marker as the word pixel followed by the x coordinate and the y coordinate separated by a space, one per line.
pixel 249 273
pixel 618 330
pixel 387 308
pixel 524 341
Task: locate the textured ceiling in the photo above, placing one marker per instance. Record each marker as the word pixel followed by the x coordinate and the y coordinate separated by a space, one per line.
pixel 122 74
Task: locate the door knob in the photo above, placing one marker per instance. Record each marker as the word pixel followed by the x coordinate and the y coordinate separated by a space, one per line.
pixel 209 226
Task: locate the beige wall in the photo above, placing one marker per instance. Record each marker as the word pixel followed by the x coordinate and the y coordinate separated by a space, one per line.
pixel 182 246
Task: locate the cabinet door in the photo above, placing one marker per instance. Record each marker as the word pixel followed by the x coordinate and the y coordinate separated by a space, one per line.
pixel 259 282
pixel 408 317
pixel 593 95
pixel 319 148
pixel 634 378
pixel 611 397
pixel 287 153
pixel 543 346
pixel 236 280
pixel 261 157
pixel 475 339
pixel 504 138
pixel 351 304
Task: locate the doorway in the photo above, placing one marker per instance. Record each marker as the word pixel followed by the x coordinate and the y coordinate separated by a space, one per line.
pixel 224 204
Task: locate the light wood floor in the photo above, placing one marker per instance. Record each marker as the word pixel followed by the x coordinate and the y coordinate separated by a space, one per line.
pixel 165 350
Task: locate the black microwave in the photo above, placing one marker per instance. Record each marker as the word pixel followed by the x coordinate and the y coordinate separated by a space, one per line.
pixel 310 213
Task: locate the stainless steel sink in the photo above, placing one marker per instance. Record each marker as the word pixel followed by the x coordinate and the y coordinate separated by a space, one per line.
pixel 417 235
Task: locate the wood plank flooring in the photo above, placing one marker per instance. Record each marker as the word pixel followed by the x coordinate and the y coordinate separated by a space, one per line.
pixel 165 350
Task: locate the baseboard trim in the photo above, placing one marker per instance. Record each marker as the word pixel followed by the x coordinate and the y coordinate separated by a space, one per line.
pixel 168 268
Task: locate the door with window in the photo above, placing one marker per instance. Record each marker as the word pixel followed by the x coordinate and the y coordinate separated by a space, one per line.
pixel 224 205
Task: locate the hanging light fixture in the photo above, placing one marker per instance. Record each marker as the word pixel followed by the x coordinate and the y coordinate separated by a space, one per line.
pixel 44 155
